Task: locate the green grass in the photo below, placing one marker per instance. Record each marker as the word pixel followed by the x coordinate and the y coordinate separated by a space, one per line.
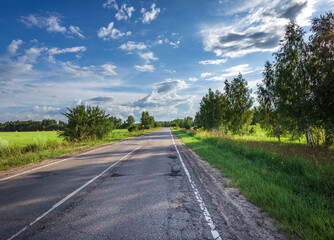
pixel 24 138
pixel 20 148
pixel 298 194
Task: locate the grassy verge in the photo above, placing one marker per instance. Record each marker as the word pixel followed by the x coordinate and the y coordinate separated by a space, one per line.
pixel 298 194
pixel 32 147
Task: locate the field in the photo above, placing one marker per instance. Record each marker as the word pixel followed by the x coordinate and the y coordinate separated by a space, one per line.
pixel 20 148
pixel 296 190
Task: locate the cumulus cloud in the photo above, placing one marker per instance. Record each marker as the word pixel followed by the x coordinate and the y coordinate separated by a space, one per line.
pixel 107 33
pixel 259 29
pixel 131 45
pixel 192 79
pixel 163 94
pixel 15 44
pixel 148 56
pixel 52 23
pixel 145 68
pixel 124 13
pixel 213 62
pixel 110 4
pixel 206 74
pixel 149 16
pixel 234 71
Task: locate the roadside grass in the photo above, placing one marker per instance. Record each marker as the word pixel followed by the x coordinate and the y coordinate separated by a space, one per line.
pixel 21 148
pixel 298 194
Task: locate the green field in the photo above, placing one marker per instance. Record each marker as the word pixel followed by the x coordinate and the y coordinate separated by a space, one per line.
pixel 294 190
pixel 24 138
pixel 20 148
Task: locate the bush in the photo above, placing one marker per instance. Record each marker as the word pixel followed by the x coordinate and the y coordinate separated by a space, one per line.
pixel 133 128
pixel 86 122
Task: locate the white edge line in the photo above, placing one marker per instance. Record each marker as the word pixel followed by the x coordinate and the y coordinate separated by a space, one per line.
pixel 47 165
pixel 205 211
pixel 69 196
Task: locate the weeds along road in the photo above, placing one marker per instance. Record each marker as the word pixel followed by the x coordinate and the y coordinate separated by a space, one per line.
pixel 141 188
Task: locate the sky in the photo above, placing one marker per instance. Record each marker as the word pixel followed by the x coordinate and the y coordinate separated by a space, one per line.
pixel 129 56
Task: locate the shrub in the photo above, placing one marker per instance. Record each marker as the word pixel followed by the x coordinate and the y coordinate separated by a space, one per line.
pixel 86 122
pixel 133 128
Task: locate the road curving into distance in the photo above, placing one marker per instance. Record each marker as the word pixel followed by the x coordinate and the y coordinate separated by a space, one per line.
pixel 141 188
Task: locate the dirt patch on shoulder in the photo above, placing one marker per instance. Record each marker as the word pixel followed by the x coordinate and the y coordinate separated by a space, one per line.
pixel 244 219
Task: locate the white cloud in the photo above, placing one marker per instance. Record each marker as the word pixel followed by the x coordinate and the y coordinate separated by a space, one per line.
pixel 15 44
pixel 124 13
pixel 148 56
pixel 214 62
pixel 54 51
pixel 131 45
pixel 150 16
pixel 110 4
pixel 256 27
pixel 76 31
pixel 192 79
pixel 111 32
pixel 206 74
pixel 145 68
pixel 233 72
pixel 108 69
pixel 51 23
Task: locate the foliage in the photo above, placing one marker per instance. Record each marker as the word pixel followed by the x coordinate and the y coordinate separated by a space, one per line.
pixel 24 126
pixel 321 71
pixel 268 110
pixel 227 111
pixel 213 110
pixel 86 122
pixel 239 112
pixel 146 120
pixel 296 93
pixel 133 128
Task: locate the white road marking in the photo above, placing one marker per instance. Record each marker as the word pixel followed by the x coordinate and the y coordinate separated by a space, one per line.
pixel 205 211
pixel 69 196
pixel 47 165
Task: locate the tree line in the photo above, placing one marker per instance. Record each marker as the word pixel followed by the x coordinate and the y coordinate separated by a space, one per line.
pixel 24 126
pixel 295 96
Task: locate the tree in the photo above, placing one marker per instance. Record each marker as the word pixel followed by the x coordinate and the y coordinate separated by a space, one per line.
pixel 212 112
pixel 321 70
pixel 239 114
pixel 146 120
pixel 293 83
pixel 269 115
pixel 86 122
pixel 130 121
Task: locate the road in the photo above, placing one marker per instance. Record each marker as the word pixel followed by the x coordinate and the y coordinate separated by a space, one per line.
pixel 140 188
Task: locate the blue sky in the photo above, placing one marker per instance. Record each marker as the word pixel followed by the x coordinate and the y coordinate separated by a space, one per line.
pixel 134 56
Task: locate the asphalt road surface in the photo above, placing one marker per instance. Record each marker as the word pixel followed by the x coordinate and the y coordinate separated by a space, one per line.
pixel 148 187
pixel 135 189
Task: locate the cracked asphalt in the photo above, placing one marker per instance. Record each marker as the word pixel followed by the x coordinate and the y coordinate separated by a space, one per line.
pixel 145 196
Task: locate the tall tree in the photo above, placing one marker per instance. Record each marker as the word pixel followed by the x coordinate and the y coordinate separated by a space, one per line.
pixel 240 102
pixel 146 120
pixel 292 82
pixel 268 99
pixel 321 68
pixel 212 112
pixel 130 121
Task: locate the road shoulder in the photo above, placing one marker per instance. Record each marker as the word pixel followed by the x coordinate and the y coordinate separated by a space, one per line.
pixel 243 219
